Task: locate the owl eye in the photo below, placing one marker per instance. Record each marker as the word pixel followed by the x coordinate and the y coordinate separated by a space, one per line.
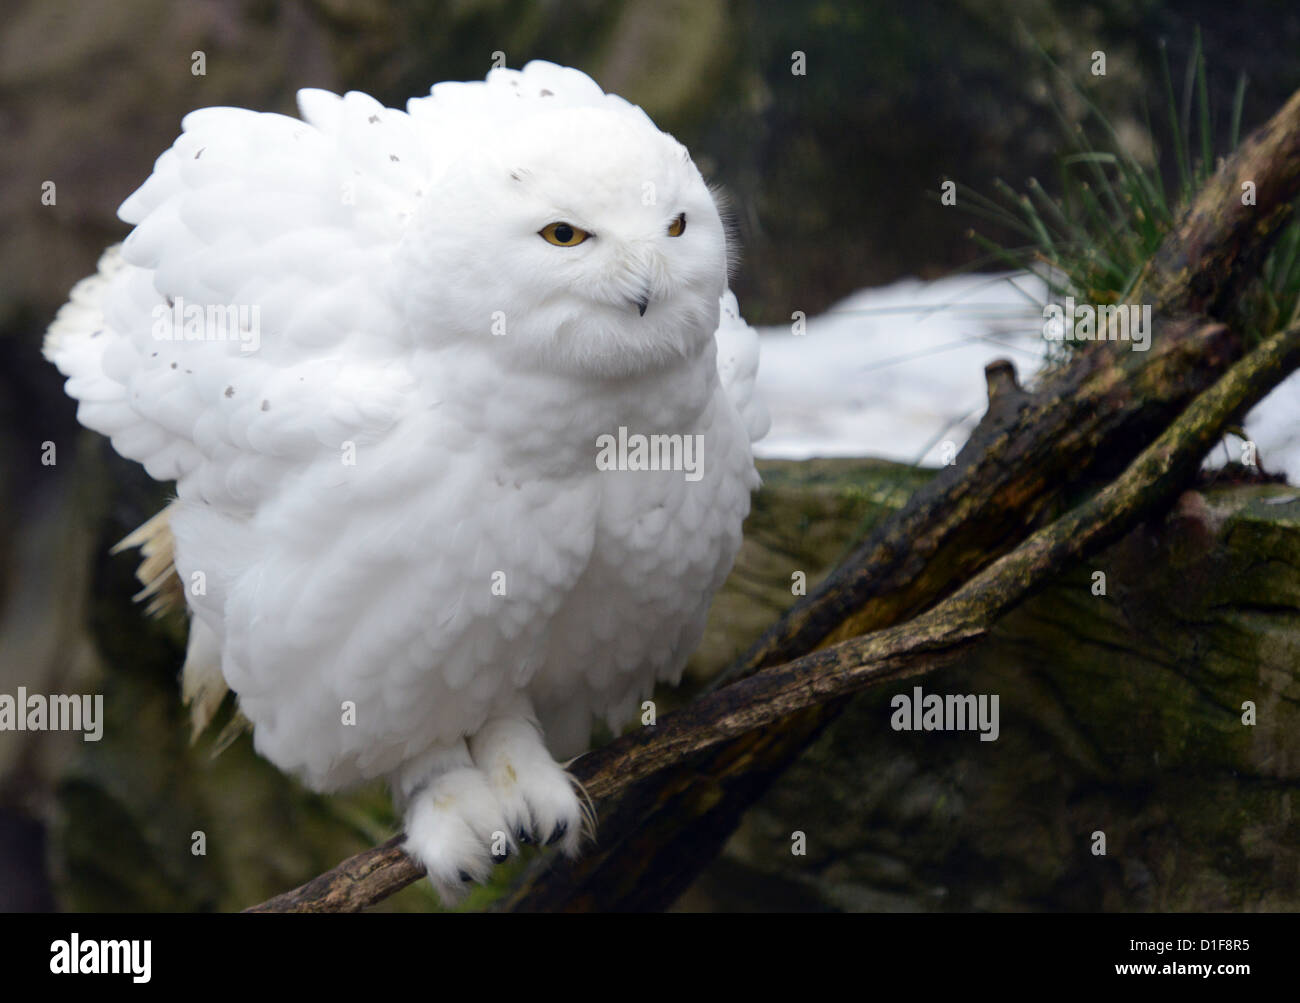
pixel 678 226
pixel 563 234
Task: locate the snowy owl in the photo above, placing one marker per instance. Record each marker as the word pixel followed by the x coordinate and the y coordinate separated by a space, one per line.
pixel 459 410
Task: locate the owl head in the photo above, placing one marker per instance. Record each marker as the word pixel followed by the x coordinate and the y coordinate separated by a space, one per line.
pixel 581 240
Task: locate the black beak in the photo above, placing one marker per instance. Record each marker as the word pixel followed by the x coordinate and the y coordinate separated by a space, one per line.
pixel 641 304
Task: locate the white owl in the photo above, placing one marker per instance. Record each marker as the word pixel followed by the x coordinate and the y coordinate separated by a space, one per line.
pixel 381 353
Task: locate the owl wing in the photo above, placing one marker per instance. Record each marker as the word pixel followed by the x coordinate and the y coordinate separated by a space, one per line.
pixel 246 322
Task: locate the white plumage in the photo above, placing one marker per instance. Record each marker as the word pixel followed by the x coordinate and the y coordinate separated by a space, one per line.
pixel 384 443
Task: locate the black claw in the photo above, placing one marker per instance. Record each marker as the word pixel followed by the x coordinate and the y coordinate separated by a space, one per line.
pixel 523 836
pixel 558 834
pixel 465 877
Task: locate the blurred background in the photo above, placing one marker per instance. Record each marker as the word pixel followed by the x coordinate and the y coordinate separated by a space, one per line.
pixel 831 176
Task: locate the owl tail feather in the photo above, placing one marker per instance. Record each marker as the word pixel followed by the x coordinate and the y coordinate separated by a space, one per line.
pixel 157 573
pixel 203 688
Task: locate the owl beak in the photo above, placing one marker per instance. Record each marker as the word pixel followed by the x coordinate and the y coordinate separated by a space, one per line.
pixel 640 275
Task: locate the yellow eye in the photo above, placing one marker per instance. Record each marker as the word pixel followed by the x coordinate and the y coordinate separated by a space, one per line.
pixel 563 234
pixel 678 226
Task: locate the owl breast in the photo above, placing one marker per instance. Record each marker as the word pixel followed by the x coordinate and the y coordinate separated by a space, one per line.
pixel 664 542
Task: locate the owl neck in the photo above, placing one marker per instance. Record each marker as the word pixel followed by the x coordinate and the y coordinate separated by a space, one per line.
pixel 560 416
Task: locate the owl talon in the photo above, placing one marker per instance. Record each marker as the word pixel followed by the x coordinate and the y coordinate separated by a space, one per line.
pixel 451 821
pixel 470 805
pixel 533 788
